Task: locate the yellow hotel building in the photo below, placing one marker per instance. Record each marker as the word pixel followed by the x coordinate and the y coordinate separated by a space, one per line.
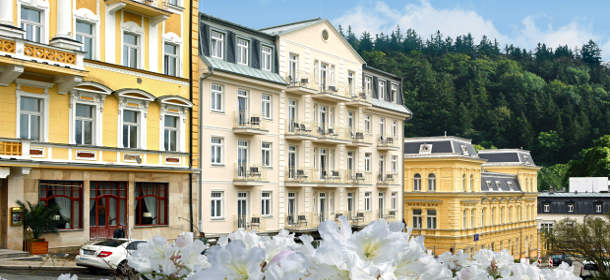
pixel 453 193
pixel 96 103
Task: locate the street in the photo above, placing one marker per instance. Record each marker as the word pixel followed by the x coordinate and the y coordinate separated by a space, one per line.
pixel 48 275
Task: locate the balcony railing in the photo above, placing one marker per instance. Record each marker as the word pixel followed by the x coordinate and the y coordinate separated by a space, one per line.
pixel 299 79
pixel 10 148
pixel 359 94
pixel 387 140
pixel 359 218
pixel 306 220
pixel 247 222
pixel 387 178
pixel 299 127
pixel 32 51
pixel 250 172
pixel 358 177
pixel 360 137
pixel 310 175
pixel 249 120
pixel 388 215
pixel 331 133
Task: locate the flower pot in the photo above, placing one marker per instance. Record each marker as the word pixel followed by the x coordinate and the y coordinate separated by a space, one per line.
pixel 39 248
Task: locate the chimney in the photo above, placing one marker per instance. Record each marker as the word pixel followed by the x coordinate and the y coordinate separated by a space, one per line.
pixel 562 189
pixel 551 190
pixel 445 133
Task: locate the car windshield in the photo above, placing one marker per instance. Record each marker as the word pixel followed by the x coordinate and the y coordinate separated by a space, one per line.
pixel 110 242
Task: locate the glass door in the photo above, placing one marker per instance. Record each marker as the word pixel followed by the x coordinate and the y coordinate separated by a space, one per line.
pixel 350 122
pixel 242 158
pixel 108 204
pixel 322 120
pixel 323 74
pixel 242 107
pixel 350 165
pixel 322 204
pixel 242 209
pixel 381 204
pixel 292 115
pixel 350 202
pixel 292 208
pixel 292 162
pixel 323 172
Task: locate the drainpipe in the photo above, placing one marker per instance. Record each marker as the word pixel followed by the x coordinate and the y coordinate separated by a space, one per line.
pixel 402 162
pixel 191 117
pixel 201 143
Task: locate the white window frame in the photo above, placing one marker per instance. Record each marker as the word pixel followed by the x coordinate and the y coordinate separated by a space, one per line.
pixel 90 36
pixel 367 201
pixel 83 120
pixel 381 90
pixel 368 129
pixel 221 200
pixel 138 47
pixel 221 150
pixel 472 218
pixel 598 208
pixel 137 124
pixel 175 56
pixel 432 182
pixel 177 129
pixel 381 126
pixel 267 106
pixel 417 218
pixel 368 82
pixel 267 153
pixel 351 82
pixel 547 208
pixel 127 103
pixel 266 58
pixel 570 207
pixel 242 56
pixel 43 24
pixel 267 200
pixel 44 114
pixel 395 129
pixel 431 221
pixel 394 200
pixel 394 164
pixel 464 219
pixel 216 93
pixel 393 91
pixel 417 182
pixel 217 43
pixel 367 162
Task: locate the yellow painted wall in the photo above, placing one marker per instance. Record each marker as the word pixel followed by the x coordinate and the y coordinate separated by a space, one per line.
pixel 8 111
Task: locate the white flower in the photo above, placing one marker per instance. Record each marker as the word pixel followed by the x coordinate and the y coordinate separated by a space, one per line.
pixel 562 272
pixel 250 238
pixel 65 277
pixel 183 241
pixel 234 262
pixel 283 241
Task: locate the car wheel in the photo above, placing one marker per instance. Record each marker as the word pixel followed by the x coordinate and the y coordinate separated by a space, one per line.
pixel 124 269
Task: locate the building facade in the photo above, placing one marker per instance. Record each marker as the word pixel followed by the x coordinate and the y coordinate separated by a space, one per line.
pixel 453 194
pixel 298 131
pixel 96 103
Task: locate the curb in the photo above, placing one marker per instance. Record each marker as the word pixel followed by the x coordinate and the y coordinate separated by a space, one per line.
pixel 72 269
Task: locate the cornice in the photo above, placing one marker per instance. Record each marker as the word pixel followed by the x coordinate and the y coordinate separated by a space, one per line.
pixel 121 70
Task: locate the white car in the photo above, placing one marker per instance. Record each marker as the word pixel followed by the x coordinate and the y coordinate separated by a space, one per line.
pixel 109 254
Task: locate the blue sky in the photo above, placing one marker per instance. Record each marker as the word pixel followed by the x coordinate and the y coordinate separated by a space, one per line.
pixel 520 22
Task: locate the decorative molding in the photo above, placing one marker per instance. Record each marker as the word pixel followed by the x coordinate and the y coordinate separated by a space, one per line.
pixel 134 73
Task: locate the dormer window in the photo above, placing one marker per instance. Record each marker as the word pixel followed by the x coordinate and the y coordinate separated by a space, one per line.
pixel 498 184
pixel 547 208
pixel 488 185
pixel 217 45
pixel 510 185
pixel 381 90
pixel 242 51
pixel 425 149
pixel 526 158
pixel 393 91
pixel 266 58
pixel 464 150
pixel 598 208
pixel 570 207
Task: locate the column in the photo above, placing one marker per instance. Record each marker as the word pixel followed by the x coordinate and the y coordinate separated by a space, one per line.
pixel 63 35
pixel 7 26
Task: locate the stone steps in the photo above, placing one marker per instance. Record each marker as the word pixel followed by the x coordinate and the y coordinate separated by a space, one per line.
pixel 12 254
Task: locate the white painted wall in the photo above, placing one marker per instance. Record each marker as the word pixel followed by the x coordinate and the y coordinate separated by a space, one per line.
pixel 588 184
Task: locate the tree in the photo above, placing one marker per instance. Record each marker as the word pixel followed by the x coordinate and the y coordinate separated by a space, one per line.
pixel 552 176
pixel 591 53
pixel 595 161
pixel 41 218
pixel 588 240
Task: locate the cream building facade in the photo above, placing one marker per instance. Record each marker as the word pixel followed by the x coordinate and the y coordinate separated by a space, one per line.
pixel 453 194
pixel 298 130
pixel 96 104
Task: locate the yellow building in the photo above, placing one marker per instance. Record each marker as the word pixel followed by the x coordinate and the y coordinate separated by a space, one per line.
pixel 96 102
pixel 452 195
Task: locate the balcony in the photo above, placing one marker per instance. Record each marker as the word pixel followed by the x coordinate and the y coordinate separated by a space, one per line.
pixel 387 142
pixel 305 221
pixel 360 97
pixel 330 92
pixel 299 130
pixel 308 176
pixel 358 178
pixel 300 83
pixel 388 215
pixel 156 9
pixel 360 218
pixel 248 223
pixel 386 179
pixel 359 139
pixel 10 149
pixel 20 55
pixel 327 135
pixel 249 123
pixel 249 175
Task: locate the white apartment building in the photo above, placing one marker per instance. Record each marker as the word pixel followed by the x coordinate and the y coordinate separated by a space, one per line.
pixel 298 130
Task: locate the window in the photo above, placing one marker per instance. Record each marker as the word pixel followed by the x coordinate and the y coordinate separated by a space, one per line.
pixel 464 182
pixel 510 216
pixel 367 162
pixel 130 129
pixel 170 60
pixel 431 219
pixel 217 96
pixel 393 91
pixel 130 50
pixel 381 90
pixel 293 64
pixel 472 218
pixel 598 208
pixel 381 126
pixel 570 207
pixel 267 108
pixel 350 84
pixel 367 201
pixel 30 118
pixel 501 215
pixel 471 183
pixel 417 182
pixel 493 216
pixel 266 58
pixel 394 201
pixel 394 129
pixel 431 182
pixel 217 45
pixel 266 203
pixel 546 227
pixel 83 124
pixel 464 220
pixel 367 124
pixel 68 196
pixel 368 85
pixel 173 2
pixel 216 200
pixel 417 218
pixel 266 156
pixel 151 203
pixel 170 134
pixel 242 51
pixel 394 164
pixel 216 155
pixel 547 207
pixel 31 22
pixel 84 34
pixel 483 217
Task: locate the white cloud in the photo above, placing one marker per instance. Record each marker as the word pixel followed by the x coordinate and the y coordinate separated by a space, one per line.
pixel 376 17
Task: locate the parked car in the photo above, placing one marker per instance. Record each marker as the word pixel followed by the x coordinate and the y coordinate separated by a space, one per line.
pixel 558 259
pixel 109 254
pixel 589 270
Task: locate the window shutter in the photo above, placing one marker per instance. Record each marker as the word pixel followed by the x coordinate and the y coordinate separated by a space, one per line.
pixel 388 89
pixel 231 41
pixel 375 87
pixel 204 39
pixel 255 54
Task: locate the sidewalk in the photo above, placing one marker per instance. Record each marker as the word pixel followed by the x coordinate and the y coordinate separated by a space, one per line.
pixel 47 264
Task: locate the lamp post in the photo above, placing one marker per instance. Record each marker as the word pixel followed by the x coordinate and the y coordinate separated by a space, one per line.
pixel 538 225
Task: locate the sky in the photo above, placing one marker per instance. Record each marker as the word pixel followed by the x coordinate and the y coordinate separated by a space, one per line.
pixel 523 23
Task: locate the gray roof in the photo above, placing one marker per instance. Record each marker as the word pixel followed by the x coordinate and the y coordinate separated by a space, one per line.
pixel 440 145
pixel 391 106
pixel 285 28
pixel 243 70
pixel 507 156
pixel 571 194
pixel 502 179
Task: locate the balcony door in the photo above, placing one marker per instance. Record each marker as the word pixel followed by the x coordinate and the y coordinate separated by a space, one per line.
pixel 350 202
pixel 292 114
pixel 242 106
pixel 292 207
pixel 323 76
pixel 242 158
pixel 323 167
pixel 381 204
pixel 350 165
pixel 322 204
pixel 292 162
pixel 350 121
pixel 108 204
pixel 242 209
pixel 322 121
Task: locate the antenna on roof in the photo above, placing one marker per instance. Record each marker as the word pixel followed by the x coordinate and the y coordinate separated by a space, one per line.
pixel 445 133
pixel 320 8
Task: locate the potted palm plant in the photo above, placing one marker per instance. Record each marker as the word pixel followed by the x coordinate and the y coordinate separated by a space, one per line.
pixel 41 219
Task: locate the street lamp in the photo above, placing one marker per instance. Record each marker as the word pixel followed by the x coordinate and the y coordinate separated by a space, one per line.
pixel 538 225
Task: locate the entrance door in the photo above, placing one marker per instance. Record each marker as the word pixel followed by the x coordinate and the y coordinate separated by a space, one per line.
pixel 242 107
pixel 108 208
pixel 292 161
pixel 242 209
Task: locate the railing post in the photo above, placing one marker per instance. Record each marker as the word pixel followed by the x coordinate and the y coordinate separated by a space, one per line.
pixel 25 149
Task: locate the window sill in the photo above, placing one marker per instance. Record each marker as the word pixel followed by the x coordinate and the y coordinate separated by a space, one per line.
pixel 217 165
pixel 218 112
pixel 217 219
pixel 150 226
pixel 69 230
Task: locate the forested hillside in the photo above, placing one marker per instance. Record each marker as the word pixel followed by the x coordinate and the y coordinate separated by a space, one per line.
pixel 553 102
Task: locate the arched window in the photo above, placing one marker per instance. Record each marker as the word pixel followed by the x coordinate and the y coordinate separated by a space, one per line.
pixel 431 182
pixel 464 182
pixel 471 182
pixel 417 182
